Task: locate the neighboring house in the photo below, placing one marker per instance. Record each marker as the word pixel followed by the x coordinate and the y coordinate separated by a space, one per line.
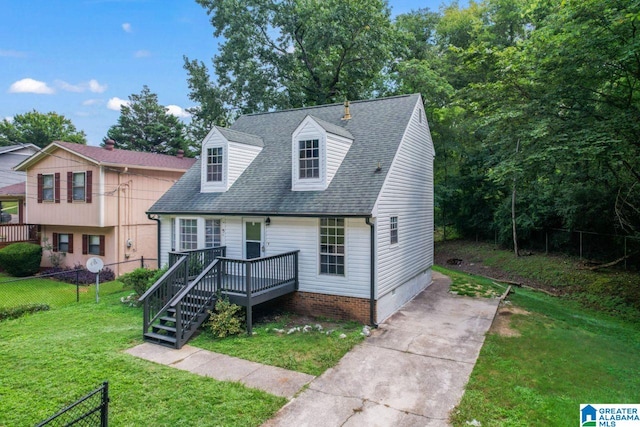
pixel 12 182
pixel 350 188
pixel 91 201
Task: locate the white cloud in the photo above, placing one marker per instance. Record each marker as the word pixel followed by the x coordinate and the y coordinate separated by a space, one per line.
pixel 127 27
pixel 177 111
pixel 92 86
pixel 96 87
pixel 9 119
pixel 94 101
pixel 142 53
pixel 13 53
pixel 115 103
pixel 30 86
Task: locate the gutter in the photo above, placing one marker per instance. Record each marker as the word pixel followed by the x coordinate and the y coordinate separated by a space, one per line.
pixel 372 298
pixel 156 219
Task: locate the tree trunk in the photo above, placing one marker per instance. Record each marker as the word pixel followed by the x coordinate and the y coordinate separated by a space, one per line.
pixel 513 210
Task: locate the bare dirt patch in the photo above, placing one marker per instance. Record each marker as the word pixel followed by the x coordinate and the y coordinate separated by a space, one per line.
pixel 502 322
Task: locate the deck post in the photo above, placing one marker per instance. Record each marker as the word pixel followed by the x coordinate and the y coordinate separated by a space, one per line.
pixel 248 266
pixel 295 266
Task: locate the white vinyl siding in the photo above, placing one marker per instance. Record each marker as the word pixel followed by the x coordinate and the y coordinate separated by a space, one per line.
pixel 407 194
pixel 337 148
pixel 240 157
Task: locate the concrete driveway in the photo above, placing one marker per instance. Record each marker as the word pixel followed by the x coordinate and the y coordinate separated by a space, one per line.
pixel 411 371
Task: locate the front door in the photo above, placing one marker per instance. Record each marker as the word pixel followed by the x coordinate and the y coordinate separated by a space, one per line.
pixel 253 238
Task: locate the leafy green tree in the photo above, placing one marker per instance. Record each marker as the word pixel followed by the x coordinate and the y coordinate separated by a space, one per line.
pixel 39 129
pixel 281 54
pixel 145 125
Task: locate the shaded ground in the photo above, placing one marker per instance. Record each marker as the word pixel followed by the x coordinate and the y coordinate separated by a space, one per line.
pixel 455 256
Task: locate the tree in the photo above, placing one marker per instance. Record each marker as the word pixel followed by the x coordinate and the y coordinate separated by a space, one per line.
pixel 282 54
pixel 39 129
pixel 145 125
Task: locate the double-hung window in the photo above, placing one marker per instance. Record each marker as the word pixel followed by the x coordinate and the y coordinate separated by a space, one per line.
pixel 309 158
pixel 79 188
pixel 214 164
pixel 393 230
pixel 332 244
pixel 188 234
pixel 47 188
pixel 93 244
pixel 63 242
pixel 212 233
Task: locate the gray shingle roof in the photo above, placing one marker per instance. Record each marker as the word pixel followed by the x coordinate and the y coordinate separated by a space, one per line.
pixel 241 137
pixel 377 127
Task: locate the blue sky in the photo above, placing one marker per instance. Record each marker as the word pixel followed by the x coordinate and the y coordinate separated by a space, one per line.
pixel 82 58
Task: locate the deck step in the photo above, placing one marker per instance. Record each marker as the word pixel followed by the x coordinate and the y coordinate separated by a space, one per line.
pixel 160 327
pixel 161 339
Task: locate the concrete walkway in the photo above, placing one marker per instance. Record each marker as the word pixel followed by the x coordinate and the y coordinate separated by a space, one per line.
pixel 271 379
pixel 411 371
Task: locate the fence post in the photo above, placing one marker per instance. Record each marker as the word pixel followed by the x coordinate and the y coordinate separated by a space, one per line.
pixel 546 243
pixel 77 286
pixel 248 286
pixel 625 253
pixel 580 245
pixel 142 262
pixel 104 413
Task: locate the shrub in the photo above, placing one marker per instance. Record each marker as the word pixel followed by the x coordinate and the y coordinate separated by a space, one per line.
pixel 84 276
pixel 21 259
pixel 21 310
pixel 226 320
pixel 139 280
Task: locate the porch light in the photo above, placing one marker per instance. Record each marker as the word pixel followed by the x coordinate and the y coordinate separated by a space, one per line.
pixel 268 221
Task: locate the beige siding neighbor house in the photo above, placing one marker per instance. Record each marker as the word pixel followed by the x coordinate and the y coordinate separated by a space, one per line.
pixel 91 201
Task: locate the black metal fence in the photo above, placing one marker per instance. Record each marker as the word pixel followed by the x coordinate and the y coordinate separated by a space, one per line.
pixel 90 411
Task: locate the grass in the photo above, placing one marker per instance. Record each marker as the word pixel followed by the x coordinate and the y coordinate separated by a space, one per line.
pixel 310 352
pixel 566 355
pixel 472 286
pixel 50 359
pixel 14 292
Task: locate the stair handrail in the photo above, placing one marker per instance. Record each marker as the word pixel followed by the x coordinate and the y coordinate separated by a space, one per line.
pixel 183 325
pixel 162 284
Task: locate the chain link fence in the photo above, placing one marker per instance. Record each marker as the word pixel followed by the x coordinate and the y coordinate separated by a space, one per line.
pixel 62 287
pixel 89 411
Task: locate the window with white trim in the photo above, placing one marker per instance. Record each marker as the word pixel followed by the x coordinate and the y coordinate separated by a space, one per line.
pixel 47 188
pixel 188 234
pixel 214 164
pixel 393 230
pixel 332 246
pixel 309 158
pixel 212 235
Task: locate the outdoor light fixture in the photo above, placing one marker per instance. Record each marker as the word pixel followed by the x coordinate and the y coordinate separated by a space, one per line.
pixel 268 221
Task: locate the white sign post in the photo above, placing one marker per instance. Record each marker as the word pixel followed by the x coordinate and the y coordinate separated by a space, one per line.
pixel 94 265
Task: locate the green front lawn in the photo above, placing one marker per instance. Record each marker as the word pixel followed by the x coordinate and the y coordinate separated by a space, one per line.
pixel 50 359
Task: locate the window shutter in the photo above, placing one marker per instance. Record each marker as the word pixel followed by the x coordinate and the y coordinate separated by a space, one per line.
pixel 40 185
pixel 69 187
pixel 70 243
pixel 55 242
pixel 89 186
pixel 85 244
pixel 101 245
pixel 56 195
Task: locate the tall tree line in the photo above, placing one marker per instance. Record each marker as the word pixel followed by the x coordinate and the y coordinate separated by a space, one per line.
pixel 533 104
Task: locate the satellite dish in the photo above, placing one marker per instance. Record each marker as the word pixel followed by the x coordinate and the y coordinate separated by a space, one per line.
pixel 94 264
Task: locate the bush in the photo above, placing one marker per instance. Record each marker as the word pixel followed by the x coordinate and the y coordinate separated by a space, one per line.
pixel 21 259
pixel 84 276
pixel 139 280
pixel 226 320
pixel 21 310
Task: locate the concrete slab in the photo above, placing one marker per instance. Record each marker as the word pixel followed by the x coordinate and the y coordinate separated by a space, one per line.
pixel 278 381
pixel 375 415
pixel 218 366
pixel 159 354
pixel 425 386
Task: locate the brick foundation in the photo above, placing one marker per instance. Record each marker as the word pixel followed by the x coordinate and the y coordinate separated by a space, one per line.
pixel 332 306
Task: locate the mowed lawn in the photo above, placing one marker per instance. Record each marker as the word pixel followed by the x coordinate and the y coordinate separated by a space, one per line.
pixel 564 355
pixel 50 359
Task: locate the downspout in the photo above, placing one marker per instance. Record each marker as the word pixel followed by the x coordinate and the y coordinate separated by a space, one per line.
pixel 372 270
pixel 157 219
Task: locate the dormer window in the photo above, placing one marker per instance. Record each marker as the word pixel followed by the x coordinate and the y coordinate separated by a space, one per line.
pixel 317 150
pixel 309 158
pixel 214 164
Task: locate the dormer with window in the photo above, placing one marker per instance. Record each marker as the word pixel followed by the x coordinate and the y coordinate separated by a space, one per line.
pixel 318 148
pixel 226 154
